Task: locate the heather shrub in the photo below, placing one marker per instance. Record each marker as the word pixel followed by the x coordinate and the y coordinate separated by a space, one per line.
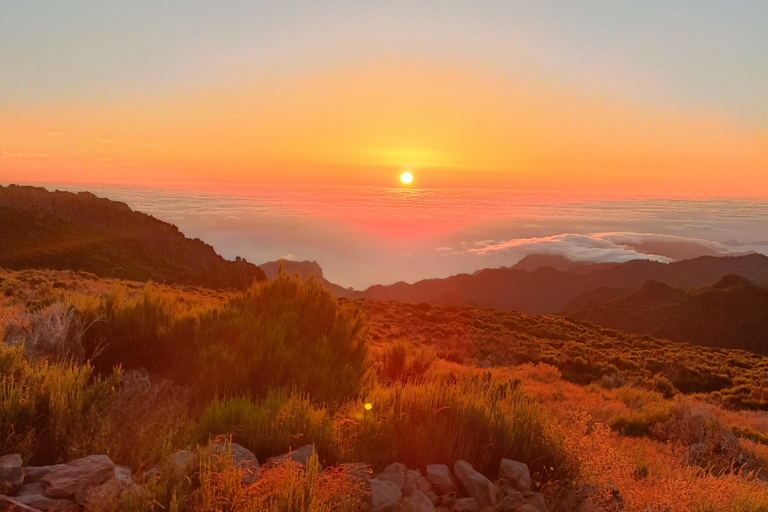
pixel 283 332
pixel 52 412
pixel 270 426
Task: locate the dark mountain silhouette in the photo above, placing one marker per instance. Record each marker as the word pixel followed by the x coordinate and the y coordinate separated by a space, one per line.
pixel 546 290
pixel 63 230
pixel 304 269
pixel 730 313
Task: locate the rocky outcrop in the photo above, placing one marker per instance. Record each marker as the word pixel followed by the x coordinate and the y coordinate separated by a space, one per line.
pixel 385 496
pixel 440 476
pixel 301 456
pixel 65 487
pixel 67 480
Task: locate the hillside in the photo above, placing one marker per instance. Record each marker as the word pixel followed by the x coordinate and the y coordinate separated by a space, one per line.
pixel 730 313
pixel 304 269
pixel 82 232
pixel 546 290
pixel 597 417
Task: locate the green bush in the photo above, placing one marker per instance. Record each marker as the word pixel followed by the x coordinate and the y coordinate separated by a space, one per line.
pixel 52 412
pixel 283 333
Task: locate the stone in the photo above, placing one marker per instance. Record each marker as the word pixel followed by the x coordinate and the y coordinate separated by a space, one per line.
pixel 440 476
pixel 515 473
pixel 66 480
pixel 302 455
pixel 510 502
pixel 11 474
pixel 174 468
pixel 33 495
pixel 242 458
pixel 423 484
pixel 108 492
pixel 396 477
pixel 409 482
pixel 8 504
pixel 385 496
pixel 35 474
pixel 395 467
pixel 465 505
pixel 536 501
pixel 475 484
pixel 417 502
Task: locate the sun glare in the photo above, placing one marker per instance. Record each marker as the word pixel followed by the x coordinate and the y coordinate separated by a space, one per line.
pixel 406 178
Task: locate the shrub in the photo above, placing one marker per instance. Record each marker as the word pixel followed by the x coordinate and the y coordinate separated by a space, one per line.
pixel 283 332
pixel 52 412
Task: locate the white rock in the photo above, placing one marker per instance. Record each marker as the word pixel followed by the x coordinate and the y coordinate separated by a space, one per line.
pixel 385 495
pixel 440 476
pixel 241 458
pixel 302 455
pixel 66 480
pixel 33 495
pixel 475 484
pixel 515 473
pixel 417 502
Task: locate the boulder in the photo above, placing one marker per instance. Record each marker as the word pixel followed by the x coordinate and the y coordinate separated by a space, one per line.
pixel 108 492
pixel 395 467
pixel 385 496
pixel 35 474
pixel 440 476
pixel 68 479
pixel 396 477
pixel 177 465
pixel 465 505
pixel 417 502
pixel 475 484
pixel 409 481
pixel 302 455
pixel 423 484
pixel 516 474
pixel 241 457
pixel 11 474
pixel 33 495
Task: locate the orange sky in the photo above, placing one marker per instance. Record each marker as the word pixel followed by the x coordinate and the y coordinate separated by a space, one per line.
pixel 453 125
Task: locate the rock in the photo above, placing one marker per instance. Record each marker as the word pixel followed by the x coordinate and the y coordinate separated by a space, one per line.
pixel 108 492
pixel 440 476
pixel 66 480
pixel 515 473
pixel 475 484
pixel 242 458
pixel 33 495
pixel 396 477
pixel 409 482
pixel 35 474
pixel 510 502
pixel 174 468
pixel 446 500
pixel 385 495
pixel 423 484
pixel 417 502
pixel 395 467
pixel 11 474
pixel 8 504
pixel 465 505
pixel 302 455
pixel 536 501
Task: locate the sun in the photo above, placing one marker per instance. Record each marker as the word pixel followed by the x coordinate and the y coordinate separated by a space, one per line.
pixel 406 177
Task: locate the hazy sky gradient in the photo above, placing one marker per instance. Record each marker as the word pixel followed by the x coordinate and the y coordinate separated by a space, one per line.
pixel 653 98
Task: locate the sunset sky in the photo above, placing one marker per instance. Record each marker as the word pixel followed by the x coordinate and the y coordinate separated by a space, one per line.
pixel 664 98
